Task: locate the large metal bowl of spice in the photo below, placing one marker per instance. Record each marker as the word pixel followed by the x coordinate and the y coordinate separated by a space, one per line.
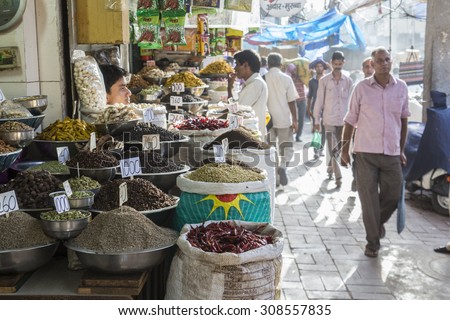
pixel 19 139
pixel 125 262
pixel 164 180
pixel 35 104
pixel 34 121
pixel 101 175
pixel 64 225
pixel 26 259
pixel 77 200
pixel 49 148
pixel 8 158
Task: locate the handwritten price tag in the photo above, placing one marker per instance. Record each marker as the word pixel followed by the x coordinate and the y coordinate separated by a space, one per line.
pixel 63 154
pixel 8 202
pixel 67 188
pixel 233 107
pixel 219 154
pixel 151 142
pixel 61 203
pixel 175 117
pixel 233 121
pixel 149 116
pixel 178 87
pixel 123 193
pixel 176 101
pixel 92 142
pixel 130 167
pixel 225 145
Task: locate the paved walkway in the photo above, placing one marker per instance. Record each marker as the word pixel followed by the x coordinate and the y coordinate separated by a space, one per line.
pixel 324 257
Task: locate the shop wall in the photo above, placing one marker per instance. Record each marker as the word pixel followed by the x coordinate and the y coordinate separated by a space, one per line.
pixel 37 36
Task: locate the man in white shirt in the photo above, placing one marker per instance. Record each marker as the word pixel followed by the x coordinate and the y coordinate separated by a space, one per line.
pixel 254 89
pixel 282 108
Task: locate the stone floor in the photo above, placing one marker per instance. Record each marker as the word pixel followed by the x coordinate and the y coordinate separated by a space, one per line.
pixel 324 257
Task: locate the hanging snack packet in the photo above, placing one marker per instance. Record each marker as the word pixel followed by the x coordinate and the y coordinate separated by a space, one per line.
pixel 174 26
pixel 148 35
pixel 148 4
pixel 171 5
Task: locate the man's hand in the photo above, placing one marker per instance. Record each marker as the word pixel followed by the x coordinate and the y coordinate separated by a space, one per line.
pixel 295 126
pixel 403 159
pixel 317 127
pixel 345 158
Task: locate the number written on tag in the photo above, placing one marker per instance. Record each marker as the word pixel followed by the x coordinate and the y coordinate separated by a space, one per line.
pixel 151 142
pixel 149 116
pixel 92 142
pixel 219 154
pixel 67 188
pixel 63 154
pixel 61 203
pixel 123 193
pixel 233 107
pixel 176 101
pixel 175 117
pixel 130 167
pixel 8 202
pixel 233 121
pixel 178 87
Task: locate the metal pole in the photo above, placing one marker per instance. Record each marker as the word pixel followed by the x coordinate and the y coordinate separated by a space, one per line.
pixel 390 25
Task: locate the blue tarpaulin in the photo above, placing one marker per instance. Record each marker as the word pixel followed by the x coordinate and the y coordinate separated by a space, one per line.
pixel 332 28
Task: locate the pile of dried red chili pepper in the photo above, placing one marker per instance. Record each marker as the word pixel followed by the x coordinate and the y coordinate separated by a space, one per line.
pixel 226 236
pixel 202 123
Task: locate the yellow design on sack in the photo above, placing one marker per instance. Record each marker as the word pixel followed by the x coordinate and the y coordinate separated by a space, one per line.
pixel 226 201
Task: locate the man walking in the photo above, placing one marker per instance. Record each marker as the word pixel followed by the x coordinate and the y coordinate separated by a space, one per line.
pixel 379 109
pixel 291 70
pixel 331 106
pixel 282 108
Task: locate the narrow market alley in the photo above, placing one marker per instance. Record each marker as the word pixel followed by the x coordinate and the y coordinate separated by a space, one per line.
pixel 324 257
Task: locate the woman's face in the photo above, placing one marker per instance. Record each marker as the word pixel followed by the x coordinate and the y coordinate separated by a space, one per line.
pixel 119 93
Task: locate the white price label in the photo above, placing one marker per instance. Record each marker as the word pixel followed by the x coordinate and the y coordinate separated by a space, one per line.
pixel 123 194
pixel 63 154
pixel 175 117
pixel 151 63
pixel 225 145
pixel 130 167
pixel 178 87
pixel 67 188
pixel 233 107
pixel 149 116
pixel 8 202
pixel 233 121
pixel 219 154
pixel 151 142
pixel 92 142
pixel 61 203
pixel 176 101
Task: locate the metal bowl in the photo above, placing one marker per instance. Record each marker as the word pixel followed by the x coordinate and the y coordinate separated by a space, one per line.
pixel 168 148
pixel 102 175
pixel 35 104
pixel 18 139
pixel 127 262
pixel 162 217
pixel 164 180
pixel 26 259
pixel 48 148
pixel 192 107
pixel 34 121
pixel 79 203
pixel 64 229
pixel 116 128
pixel 7 159
pixel 195 91
pixel 156 80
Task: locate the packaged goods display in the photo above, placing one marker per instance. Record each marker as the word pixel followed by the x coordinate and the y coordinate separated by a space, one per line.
pixel 89 83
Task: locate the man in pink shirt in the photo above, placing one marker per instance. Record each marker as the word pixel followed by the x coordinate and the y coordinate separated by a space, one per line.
pixel 331 106
pixel 379 110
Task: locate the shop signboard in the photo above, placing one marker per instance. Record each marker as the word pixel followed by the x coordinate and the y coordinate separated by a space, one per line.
pixel 282 8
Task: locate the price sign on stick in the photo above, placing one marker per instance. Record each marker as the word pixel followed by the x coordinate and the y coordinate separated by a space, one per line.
pixel 149 116
pixel 130 167
pixel 61 203
pixel 150 142
pixel 178 87
pixel 233 107
pixel 175 117
pixel 176 101
pixel 92 142
pixel 63 154
pixel 233 121
pixel 219 154
pixel 225 145
pixel 8 202
pixel 67 188
pixel 123 193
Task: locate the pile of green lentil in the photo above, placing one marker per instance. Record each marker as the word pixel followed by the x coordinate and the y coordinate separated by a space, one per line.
pixel 224 173
pixel 124 230
pixel 20 230
pixel 54 167
pixel 68 215
pixel 82 183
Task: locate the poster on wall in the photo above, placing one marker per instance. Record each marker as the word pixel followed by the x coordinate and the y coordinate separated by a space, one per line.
pixel 239 5
pixel 206 3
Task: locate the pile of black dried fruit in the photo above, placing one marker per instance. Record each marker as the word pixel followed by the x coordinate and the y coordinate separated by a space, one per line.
pixel 238 139
pixel 93 159
pixel 154 162
pixel 142 196
pixel 142 129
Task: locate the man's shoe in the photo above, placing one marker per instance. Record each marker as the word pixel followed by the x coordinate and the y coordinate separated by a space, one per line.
pixel 354 185
pixel 330 176
pixel 298 140
pixel 442 250
pixel 371 253
pixel 338 182
pixel 283 176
